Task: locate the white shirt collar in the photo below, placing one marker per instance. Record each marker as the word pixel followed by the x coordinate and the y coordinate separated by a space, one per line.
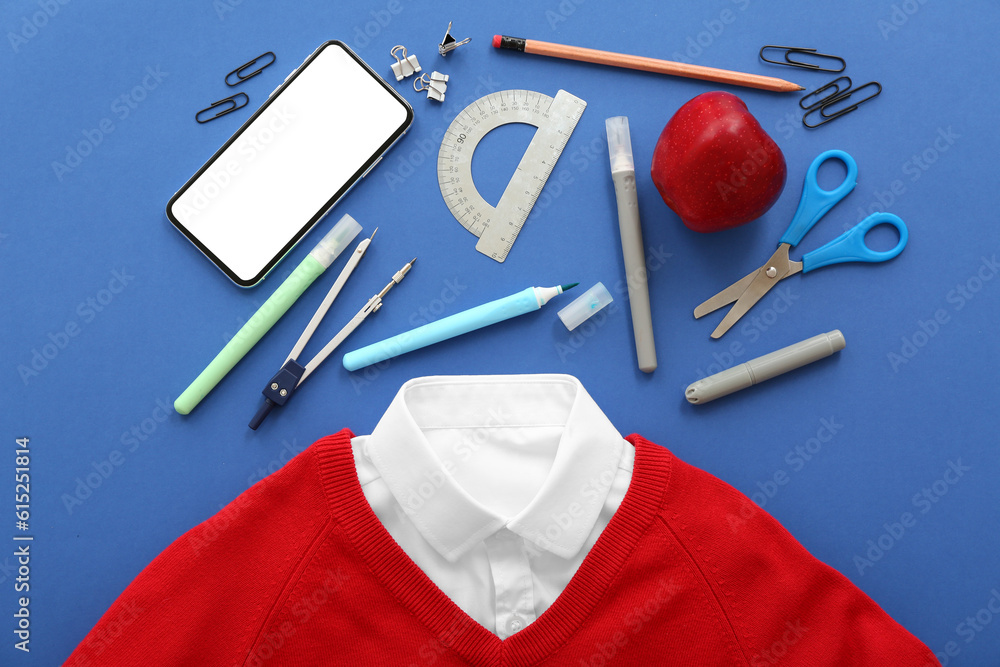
pixel 457 411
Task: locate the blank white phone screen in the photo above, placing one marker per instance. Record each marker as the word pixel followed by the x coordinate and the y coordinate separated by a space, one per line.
pixel 283 170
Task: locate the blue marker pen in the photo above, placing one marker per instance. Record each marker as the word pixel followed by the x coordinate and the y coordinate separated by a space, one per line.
pixel 525 301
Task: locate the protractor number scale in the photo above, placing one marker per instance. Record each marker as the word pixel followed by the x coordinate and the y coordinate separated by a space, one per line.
pixel 498 227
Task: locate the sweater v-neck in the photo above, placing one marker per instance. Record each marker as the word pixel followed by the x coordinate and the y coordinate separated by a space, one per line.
pixel 447 623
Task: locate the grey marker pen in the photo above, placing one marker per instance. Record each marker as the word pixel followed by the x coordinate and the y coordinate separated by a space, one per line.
pixel 623 175
pixel 763 368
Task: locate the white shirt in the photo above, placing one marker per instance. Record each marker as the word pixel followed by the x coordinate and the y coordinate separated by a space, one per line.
pixel 495 486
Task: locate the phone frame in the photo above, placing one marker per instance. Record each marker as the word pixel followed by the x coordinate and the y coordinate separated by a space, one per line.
pixel 358 175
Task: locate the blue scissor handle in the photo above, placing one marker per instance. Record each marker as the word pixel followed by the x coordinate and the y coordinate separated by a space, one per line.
pixel 815 200
pixel 850 246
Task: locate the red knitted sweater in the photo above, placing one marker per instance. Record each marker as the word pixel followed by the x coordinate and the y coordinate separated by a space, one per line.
pixel 299 571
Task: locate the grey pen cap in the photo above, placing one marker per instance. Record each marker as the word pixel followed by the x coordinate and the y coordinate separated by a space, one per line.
pixel 765 367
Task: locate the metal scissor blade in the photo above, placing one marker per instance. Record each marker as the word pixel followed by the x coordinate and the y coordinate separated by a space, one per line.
pixel 726 296
pixel 776 268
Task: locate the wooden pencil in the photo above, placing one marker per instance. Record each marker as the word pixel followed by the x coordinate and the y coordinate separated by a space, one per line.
pixel 644 64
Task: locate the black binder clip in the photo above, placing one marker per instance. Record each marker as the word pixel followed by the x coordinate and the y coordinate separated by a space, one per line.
pixel 791 62
pixel 240 71
pixel 835 99
pixel 231 100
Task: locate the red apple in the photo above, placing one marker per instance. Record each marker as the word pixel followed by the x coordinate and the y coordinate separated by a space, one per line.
pixel 715 166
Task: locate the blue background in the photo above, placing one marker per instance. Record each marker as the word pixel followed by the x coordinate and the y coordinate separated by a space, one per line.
pixel 92 399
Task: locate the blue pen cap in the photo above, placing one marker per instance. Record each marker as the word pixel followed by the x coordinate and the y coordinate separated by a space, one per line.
pixel 585 306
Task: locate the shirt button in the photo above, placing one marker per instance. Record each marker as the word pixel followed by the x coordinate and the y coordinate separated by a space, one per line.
pixel 515 624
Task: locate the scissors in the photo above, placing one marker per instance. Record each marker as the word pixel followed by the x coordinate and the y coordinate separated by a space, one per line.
pixel 848 247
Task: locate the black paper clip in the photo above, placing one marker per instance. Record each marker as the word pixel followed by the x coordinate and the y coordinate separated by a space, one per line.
pixel 230 100
pixel 821 108
pixel 241 77
pixel 790 62
pixel 838 92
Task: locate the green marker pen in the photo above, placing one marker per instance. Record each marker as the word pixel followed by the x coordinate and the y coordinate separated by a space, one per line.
pixel 315 263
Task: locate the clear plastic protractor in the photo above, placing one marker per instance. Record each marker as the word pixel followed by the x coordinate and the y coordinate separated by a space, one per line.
pixel 558 116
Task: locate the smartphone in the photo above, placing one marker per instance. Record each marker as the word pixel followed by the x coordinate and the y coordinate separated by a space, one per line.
pixel 318 134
